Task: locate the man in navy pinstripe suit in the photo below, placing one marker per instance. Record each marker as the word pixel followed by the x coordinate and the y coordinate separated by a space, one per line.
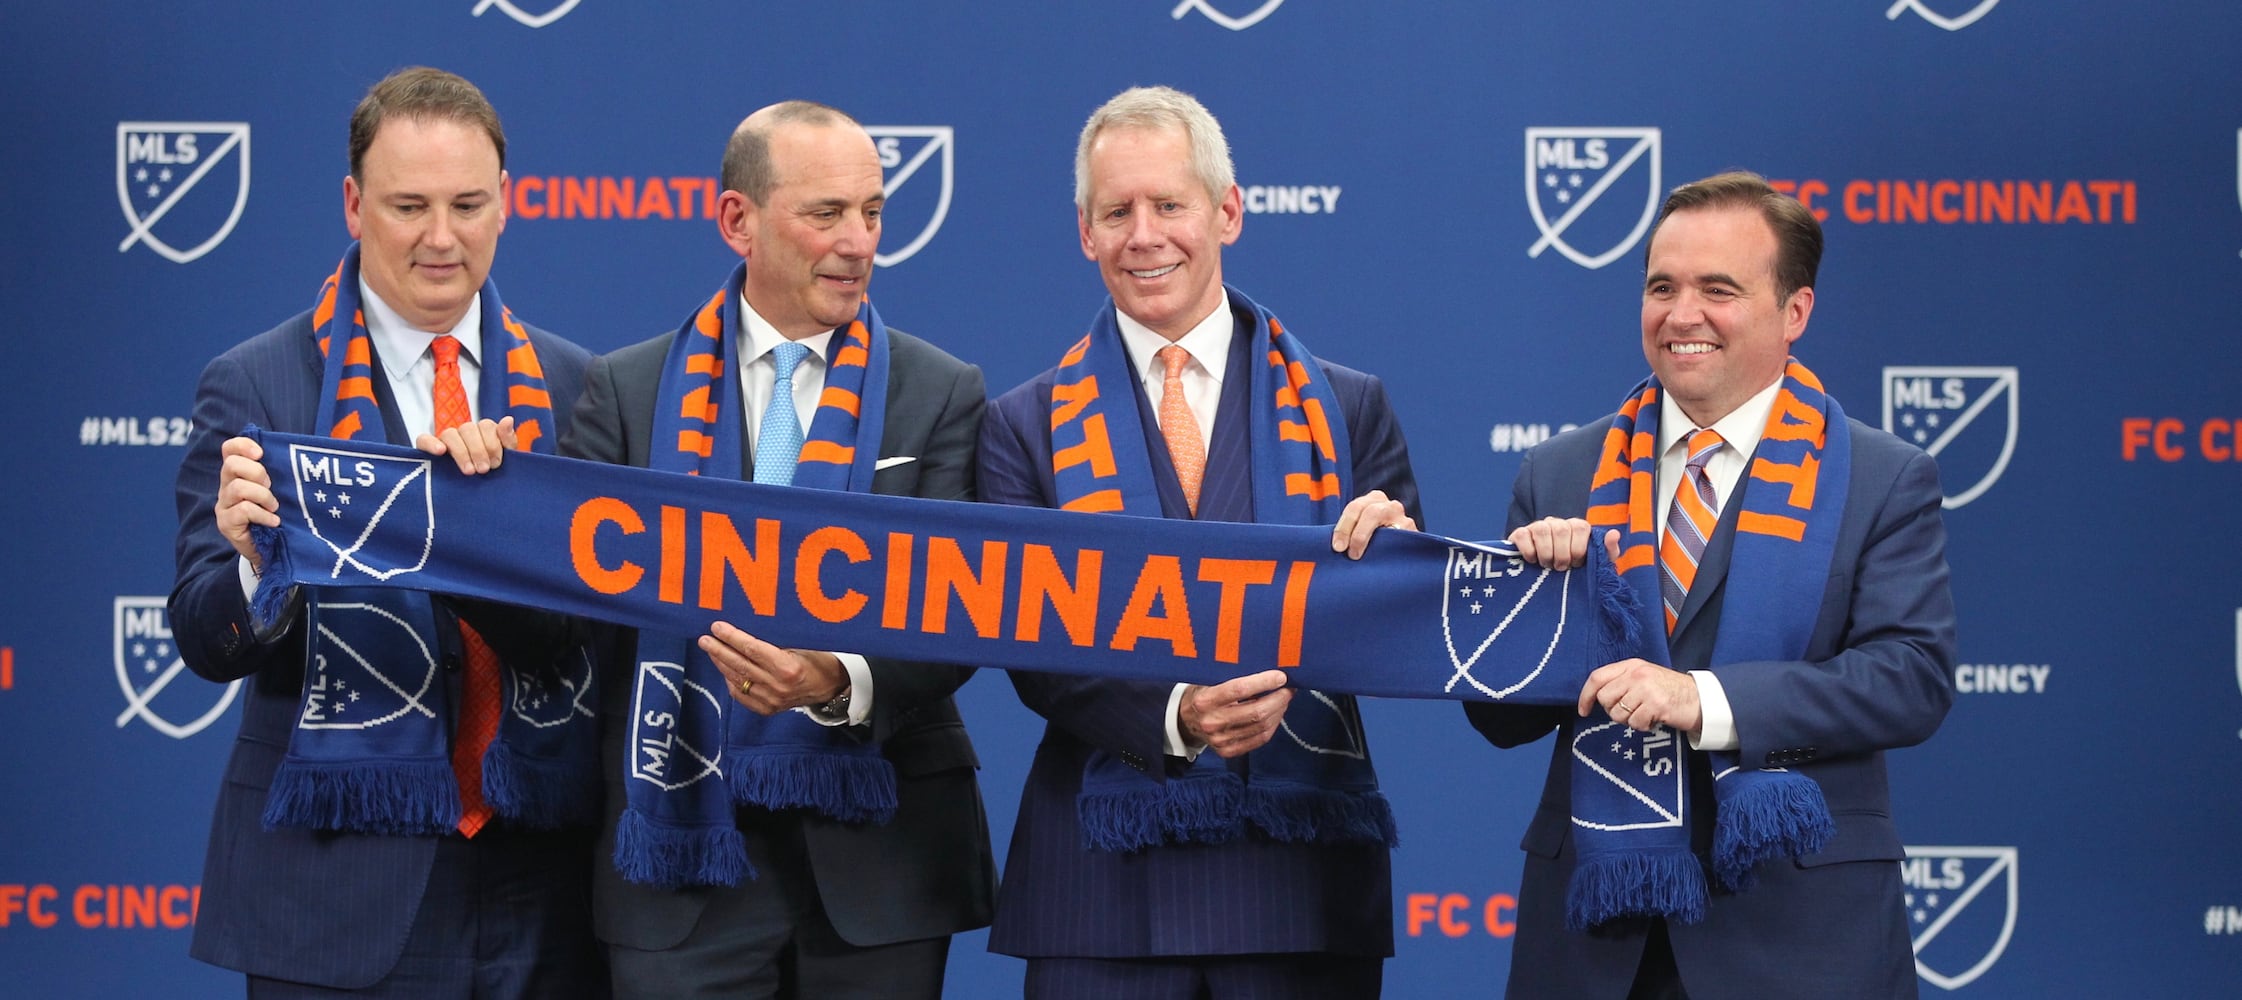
pixel 322 913
pixel 1251 916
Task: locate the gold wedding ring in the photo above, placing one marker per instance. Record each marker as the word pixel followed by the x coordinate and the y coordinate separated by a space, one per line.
pixel 745 684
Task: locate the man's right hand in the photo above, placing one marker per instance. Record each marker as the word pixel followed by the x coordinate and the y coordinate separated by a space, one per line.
pixel 1559 542
pixel 1237 716
pixel 245 496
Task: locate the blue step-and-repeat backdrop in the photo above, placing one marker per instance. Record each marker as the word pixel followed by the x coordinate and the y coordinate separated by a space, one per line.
pixel 2034 218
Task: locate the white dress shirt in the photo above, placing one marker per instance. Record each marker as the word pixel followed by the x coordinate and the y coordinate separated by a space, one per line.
pixel 1740 430
pixel 758 373
pixel 1208 343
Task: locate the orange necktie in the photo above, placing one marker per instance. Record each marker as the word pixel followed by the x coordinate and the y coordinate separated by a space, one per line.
pixel 1185 446
pixel 478 709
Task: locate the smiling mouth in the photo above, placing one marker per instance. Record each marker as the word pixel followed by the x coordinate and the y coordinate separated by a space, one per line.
pixel 1155 272
pixel 1697 348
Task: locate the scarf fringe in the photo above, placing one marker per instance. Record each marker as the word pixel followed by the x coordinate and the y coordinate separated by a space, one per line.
pixel 1187 810
pixel 1619 628
pixel 390 797
pixel 651 853
pixel 851 788
pixel 1775 814
pixel 1616 884
pixel 537 793
pixel 1299 814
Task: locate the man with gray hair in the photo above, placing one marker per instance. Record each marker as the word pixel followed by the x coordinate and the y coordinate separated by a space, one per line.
pixel 1143 865
pixel 845 842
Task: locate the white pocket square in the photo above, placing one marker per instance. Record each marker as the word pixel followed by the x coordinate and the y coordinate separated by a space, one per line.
pixel 892 462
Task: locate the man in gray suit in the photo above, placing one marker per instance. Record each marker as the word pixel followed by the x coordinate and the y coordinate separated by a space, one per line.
pixel 835 908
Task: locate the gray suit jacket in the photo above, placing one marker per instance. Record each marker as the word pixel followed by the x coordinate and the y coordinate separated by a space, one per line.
pixel 928 873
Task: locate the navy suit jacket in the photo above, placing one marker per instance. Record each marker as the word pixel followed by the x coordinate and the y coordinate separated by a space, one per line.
pixel 927 873
pixel 1060 899
pixel 1876 676
pixel 330 909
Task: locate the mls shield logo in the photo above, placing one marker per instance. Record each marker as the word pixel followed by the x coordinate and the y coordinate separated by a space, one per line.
pixel 348 496
pixel 1331 729
pixel 1961 909
pixel 1944 411
pixel 172 182
pixel 1644 768
pixel 659 756
pixel 545 699
pixel 1233 23
pixel 1485 589
pixel 904 152
pixel 347 689
pixel 1951 23
pixel 533 20
pixel 148 661
pixel 1570 171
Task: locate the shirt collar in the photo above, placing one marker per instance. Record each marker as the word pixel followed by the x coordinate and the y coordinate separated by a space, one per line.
pixel 1740 429
pixel 400 344
pixel 760 336
pixel 1208 343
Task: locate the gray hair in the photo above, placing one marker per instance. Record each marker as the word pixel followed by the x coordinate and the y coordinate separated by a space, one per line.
pixel 1159 108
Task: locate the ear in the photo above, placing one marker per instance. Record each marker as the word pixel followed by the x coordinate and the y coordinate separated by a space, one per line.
pixel 1796 312
pixel 1233 210
pixel 505 198
pixel 351 196
pixel 735 221
pixel 1082 223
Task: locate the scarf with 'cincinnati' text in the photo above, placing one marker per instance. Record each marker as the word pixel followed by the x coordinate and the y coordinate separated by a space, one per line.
pixel 1630 789
pixel 370 751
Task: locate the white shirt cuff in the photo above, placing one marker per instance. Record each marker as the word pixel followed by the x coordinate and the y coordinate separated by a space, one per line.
pixel 1716 720
pixel 860 694
pixel 249 593
pixel 1175 745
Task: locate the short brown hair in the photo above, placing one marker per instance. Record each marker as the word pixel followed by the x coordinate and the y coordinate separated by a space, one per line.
pixel 747 165
pixel 1798 237
pixel 421 94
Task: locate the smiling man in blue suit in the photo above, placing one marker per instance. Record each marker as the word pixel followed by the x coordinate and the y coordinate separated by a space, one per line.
pixel 1807 628
pixel 1265 870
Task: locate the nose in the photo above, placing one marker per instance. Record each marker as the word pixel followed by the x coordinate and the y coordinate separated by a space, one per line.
pixel 1144 231
pixel 441 233
pixel 1688 310
pixel 859 237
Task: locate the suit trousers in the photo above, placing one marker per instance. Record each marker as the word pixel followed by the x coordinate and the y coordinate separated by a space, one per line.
pixel 1303 976
pixel 769 938
pixel 495 923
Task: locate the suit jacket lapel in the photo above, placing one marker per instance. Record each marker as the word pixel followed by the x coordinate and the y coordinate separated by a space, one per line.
pixel 1226 491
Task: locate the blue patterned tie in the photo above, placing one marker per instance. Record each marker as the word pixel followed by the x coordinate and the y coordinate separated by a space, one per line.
pixel 1689 523
pixel 779 443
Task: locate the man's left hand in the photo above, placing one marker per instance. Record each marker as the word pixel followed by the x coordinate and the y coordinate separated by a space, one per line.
pixel 478 447
pixel 1641 694
pixel 768 679
pixel 1363 517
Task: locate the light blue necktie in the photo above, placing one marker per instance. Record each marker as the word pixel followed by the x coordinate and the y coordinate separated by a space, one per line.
pixel 779 443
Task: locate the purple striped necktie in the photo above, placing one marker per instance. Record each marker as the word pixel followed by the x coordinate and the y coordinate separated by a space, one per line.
pixel 1688 524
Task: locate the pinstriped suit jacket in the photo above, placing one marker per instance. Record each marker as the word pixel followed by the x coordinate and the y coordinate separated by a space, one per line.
pixel 1059 899
pixel 327 909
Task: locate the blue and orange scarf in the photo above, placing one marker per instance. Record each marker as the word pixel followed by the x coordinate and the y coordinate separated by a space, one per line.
pixel 1313 782
pixel 1630 789
pixel 371 749
pixel 694 752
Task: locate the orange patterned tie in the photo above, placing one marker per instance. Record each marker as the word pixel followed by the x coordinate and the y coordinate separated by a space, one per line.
pixel 478 709
pixel 1181 429
pixel 1688 524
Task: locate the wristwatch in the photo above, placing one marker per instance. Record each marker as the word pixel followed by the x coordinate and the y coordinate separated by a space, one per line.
pixel 838 707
